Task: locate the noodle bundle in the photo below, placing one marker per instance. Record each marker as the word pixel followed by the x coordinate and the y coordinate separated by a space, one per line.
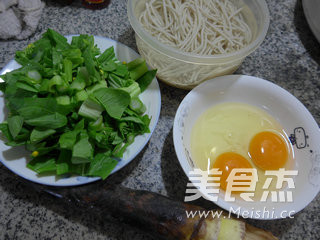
pixel 204 27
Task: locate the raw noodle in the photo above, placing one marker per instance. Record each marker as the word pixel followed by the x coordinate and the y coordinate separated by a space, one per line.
pixel 205 27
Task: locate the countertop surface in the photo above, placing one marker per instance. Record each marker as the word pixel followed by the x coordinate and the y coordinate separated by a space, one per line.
pixel 289 57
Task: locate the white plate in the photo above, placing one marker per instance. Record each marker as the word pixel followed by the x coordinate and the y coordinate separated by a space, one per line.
pixel 280 104
pixel 15 158
pixel 311 10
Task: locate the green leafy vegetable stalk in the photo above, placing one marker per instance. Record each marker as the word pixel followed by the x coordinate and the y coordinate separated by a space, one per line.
pixel 75 109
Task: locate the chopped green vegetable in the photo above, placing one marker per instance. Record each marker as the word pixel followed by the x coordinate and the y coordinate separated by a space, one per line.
pixel 38 135
pixel 146 79
pixel 4 128
pixel 107 55
pixel 133 90
pixel 68 139
pixel 75 110
pixel 81 96
pixel 63 162
pixel 102 165
pixel 135 63
pixel 90 109
pixel 137 105
pixel 138 70
pixel 26 86
pixel 82 151
pixel 51 121
pixel 63 100
pixel 115 101
pixel 97 125
pixel 42 164
pixel 35 75
pixel 15 125
pixel 2 86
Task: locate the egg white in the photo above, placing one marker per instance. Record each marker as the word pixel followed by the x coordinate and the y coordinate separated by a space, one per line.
pixel 229 127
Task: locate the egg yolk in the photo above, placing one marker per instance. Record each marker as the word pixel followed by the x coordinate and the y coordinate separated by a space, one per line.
pixel 228 161
pixel 268 151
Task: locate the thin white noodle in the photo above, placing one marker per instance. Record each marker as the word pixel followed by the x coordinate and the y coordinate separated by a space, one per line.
pixel 204 27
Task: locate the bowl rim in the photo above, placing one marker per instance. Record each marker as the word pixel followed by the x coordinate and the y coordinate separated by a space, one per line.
pixel 197 58
pixel 185 162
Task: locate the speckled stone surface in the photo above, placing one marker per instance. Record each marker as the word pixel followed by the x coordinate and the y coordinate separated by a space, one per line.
pixel 289 57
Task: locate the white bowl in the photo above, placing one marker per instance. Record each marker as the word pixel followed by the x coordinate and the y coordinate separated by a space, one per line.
pixel 186 70
pixel 280 104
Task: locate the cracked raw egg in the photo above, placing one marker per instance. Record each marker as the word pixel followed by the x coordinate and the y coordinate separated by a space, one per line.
pixel 237 135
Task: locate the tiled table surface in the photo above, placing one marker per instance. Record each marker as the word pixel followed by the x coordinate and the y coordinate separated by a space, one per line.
pixel 289 57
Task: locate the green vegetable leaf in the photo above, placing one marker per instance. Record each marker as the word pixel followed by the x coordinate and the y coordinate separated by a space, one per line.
pixel 82 151
pixel 137 105
pixel 23 136
pixel 97 125
pixel 90 109
pixel 146 120
pixel 63 100
pixel 121 70
pixel 90 64
pixel 115 101
pixel 132 119
pixel 81 96
pixel 52 121
pixel 80 125
pixel 116 139
pixel 135 63
pixel 73 55
pixel 120 148
pixel 146 79
pixel 42 164
pixel 85 42
pixel 56 58
pixel 15 125
pixel 4 128
pixel 59 41
pixel 30 108
pixel 137 68
pixel 67 65
pixel 116 81
pixel 15 143
pixel 107 55
pixel 102 165
pixel 90 90
pixel 34 111
pixel 64 162
pixel 79 83
pixel 57 84
pixel 38 135
pixel 109 66
pixel 26 87
pixel 133 90
pixel 41 148
pixel 34 75
pixel 2 86
pixel 68 140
